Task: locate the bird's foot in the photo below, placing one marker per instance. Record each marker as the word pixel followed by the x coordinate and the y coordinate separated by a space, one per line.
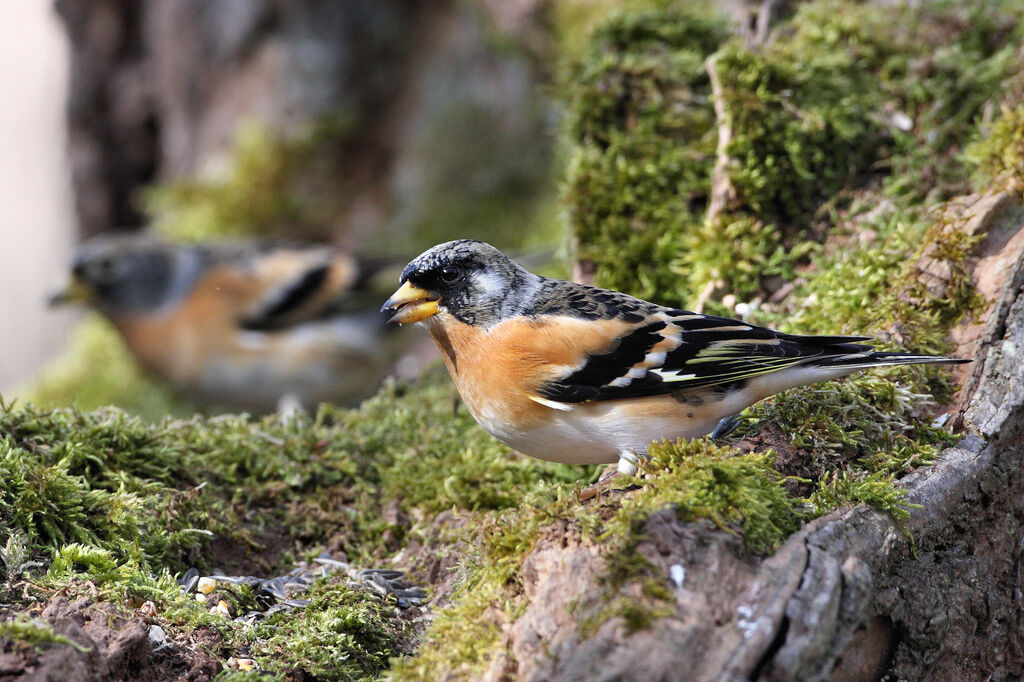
pixel 726 426
pixel 627 465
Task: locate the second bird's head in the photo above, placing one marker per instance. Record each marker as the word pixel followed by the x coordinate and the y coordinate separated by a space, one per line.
pixel 470 280
pixel 131 275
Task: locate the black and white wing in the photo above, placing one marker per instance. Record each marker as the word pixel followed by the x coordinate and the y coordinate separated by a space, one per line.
pixel 672 350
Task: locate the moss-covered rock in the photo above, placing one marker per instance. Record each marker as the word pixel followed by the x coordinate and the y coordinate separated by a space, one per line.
pixel 842 94
pixel 998 153
pixel 642 130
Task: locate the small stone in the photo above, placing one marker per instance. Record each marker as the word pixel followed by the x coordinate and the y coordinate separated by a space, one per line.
pixel 206 585
pixel 222 608
pixel 678 575
pixel 157 634
pixel 191 585
pixel 200 597
pixel 242 663
pixel 148 609
pixel 189 581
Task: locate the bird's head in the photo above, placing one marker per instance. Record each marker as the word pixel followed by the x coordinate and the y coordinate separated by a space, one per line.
pixel 124 275
pixel 470 280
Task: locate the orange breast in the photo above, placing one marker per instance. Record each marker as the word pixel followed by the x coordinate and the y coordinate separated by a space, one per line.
pixel 497 370
pixel 175 343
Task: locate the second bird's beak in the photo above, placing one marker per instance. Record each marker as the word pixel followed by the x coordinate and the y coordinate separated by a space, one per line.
pixel 411 304
pixel 76 291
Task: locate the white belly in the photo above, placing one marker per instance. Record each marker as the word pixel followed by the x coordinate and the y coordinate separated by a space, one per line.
pixel 596 433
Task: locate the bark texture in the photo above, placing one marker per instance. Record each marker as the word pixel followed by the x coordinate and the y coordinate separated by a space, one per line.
pixel 158 90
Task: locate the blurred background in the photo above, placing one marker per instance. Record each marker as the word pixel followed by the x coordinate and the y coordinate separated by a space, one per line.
pixel 37 223
pixel 285 159
pixel 375 127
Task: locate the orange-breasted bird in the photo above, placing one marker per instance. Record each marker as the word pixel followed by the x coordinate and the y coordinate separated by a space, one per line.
pixel 241 326
pixel 573 373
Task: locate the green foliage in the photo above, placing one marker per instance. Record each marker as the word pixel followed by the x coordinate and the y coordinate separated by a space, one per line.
pixel 642 126
pixel 876 288
pixel 464 636
pixel 998 152
pixel 844 488
pixel 800 117
pixel 116 502
pixel 154 493
pixel 475 183
pixel 862 415
pixel 263 191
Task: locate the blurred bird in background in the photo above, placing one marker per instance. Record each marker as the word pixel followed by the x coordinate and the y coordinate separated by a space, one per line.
pixel 242 326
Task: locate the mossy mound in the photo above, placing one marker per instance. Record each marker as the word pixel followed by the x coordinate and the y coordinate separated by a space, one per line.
pixel 842 96
pixel 112 506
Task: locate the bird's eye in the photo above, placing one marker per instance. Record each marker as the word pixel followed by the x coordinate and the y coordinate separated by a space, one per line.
pixel 102 268
pixel 450 273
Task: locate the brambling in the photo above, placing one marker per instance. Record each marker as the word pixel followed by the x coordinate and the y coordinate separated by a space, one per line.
pixel 240 326
pixel 573 373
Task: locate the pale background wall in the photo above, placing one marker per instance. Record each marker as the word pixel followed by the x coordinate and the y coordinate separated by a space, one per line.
pixel 36 223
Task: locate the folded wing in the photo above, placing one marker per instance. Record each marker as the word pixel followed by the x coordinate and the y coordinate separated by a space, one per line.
pixel 673 350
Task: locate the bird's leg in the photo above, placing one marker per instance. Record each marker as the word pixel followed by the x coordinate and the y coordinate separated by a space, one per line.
pixel 726 426
pixel 288 405
pixel 627 466
pixel 628 462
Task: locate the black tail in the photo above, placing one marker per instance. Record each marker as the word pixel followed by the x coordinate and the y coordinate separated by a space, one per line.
pixel 880 359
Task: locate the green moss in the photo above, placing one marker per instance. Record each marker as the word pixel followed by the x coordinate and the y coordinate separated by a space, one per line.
pixel 998 152
pixel 341 635
pixel 36 633
pixel 150 492
pixel 836 490
pixel 738 492
pixel 642 126
pixel 800 116
pixel 114 504
pixel 843 94
pixel 465 636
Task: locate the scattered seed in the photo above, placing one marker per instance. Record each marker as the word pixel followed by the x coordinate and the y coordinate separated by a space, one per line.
pixel 242 663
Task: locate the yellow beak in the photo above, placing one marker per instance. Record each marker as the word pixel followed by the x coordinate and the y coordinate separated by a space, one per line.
pixel 411 304
pixel 76 291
